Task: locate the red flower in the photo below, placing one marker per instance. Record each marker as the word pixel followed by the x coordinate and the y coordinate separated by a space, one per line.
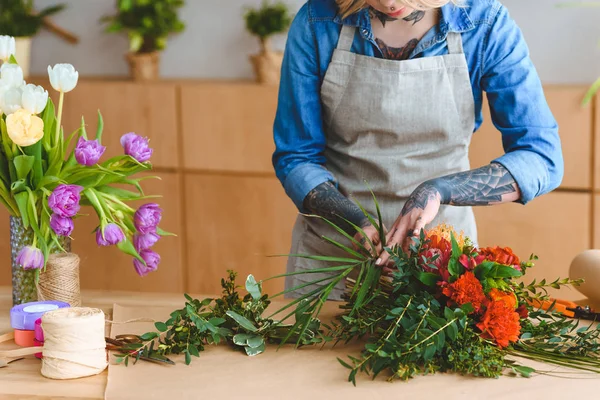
pixel 522 311
pixel 501 255
pixel 466 289
pixel 441 248
pixel 500 323
pixel 470 262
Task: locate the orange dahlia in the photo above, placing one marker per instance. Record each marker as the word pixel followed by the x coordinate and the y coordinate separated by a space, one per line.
pixel 466 289
pixel 501 255
pixel 500 323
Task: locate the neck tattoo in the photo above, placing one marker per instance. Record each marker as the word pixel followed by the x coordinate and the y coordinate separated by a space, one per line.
pixel 413 17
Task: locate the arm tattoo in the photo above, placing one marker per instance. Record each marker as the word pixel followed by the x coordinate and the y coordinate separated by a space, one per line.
pixel 326 201
pixel 397 53
pixel 482 186
pixel 420 198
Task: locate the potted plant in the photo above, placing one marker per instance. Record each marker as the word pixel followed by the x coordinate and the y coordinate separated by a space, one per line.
pixel 264 22
pixel 46 176
pixel 148 24
pixel 18 19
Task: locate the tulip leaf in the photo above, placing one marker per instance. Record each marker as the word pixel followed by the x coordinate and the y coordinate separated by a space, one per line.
pixel 22 200
pixel 160 232
pixel 82 131
pixel 23 165
pixel 18 186
pixel 127 247
pixel 99 128
pixel 35 151
pixel 121 194
pixel 49 119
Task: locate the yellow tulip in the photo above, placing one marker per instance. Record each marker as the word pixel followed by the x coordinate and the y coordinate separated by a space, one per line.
pixel 24 129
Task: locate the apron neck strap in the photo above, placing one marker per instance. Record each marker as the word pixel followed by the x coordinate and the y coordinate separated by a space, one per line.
pixel 454 42
pixel 346 38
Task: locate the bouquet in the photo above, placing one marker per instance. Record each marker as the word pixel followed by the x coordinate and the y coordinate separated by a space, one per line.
pixel 447 306
pixel 46 177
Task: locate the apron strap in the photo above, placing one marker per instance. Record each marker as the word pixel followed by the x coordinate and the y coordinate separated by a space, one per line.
pixel 346 38
pixel 454 42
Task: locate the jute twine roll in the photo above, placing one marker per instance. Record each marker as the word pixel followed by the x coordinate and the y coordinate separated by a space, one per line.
pixel 60 280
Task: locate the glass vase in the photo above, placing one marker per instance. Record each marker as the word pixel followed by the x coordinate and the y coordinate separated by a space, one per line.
pixel 24 288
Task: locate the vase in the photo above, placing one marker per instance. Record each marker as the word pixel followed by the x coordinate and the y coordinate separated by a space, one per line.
pixel 267 64
pixel 23 54
pixel 24 288
pixel 144 67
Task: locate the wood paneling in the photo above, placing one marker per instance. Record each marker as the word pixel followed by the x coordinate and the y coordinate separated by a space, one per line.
pixel 109 269
pixel 146 109
pixel 575 130
pixel 596 157
pixel 555 227
pixel 228 127
pixel 5 268
pixel 236 223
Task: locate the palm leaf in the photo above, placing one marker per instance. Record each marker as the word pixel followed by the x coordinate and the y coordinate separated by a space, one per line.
pixel 345 234
pixel 345 248
pixel 302 286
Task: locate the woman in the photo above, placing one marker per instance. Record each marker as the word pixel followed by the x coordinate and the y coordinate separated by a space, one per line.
pixel 384 95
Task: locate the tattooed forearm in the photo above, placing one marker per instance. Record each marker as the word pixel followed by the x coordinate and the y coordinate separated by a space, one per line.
pixel 414 16
pixel 326 201
pixel 421 196
pixel 397 53
pixel 483 186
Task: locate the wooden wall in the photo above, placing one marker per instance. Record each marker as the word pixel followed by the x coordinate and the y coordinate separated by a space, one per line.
pixel 213 145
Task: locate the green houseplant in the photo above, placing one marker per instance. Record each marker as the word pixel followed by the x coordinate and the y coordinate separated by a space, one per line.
pixel 19 19
pixel 148 23
pixel 264 22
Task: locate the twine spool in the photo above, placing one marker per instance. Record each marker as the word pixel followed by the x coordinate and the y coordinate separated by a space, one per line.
pixel 60 280
pixel 74 343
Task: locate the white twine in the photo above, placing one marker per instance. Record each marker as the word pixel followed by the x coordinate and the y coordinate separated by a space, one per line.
pixel 74 343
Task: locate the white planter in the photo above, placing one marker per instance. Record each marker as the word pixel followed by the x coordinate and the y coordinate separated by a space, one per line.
pixel 23 54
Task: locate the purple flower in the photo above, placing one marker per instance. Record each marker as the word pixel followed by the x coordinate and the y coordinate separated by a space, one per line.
pixel 88 152
pixel 64 200
pixel 30 258
pixel 147 218
pixel 152 260
pixel 145 241
pixel 112 235
pixel 62 226
pixel 136 146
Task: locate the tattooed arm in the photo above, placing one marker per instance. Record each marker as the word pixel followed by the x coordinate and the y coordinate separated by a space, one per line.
pixel 326 201
pixel 491 184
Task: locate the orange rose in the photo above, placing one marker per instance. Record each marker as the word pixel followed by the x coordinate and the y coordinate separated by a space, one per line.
pixel 501 255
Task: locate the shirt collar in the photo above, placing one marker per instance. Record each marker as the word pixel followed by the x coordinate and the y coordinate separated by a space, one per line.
pixel 454 19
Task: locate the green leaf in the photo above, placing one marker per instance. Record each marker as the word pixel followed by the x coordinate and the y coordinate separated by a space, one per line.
pixel 193 350
pixel 22 200
pixel 591 92
pixel 99 128
pixel 344 364
pixel 429 352
pixel 526 335
pixel 253 288
pixel 253 351
pixel 242 321
pixel 188 357
pixel 456 252
pixel 452 331
pixel 161 326
pixel 256 341
pixel 241 339
pixel 135 41
pixel 502 271
pixel 23 165
pixel 523 370
pixel 454 267
pixel 448 314
pixel 128 248
pixel 216 321
pixel 428 278
pixel 149 336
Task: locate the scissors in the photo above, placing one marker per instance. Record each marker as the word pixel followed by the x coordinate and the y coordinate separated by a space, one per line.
pixel 120 343
pixel 568 309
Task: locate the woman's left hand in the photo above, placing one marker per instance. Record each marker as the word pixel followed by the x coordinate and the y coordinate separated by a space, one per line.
pixel 420 209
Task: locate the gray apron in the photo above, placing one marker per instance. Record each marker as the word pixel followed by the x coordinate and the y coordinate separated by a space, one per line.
pixel 390 126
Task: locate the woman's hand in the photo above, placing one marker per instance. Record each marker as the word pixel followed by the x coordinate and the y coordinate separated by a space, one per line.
pixel 420 209
pixel 372 235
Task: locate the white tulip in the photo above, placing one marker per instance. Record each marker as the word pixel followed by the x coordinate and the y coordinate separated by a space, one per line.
pixel 11 75
pixel 34 98
pixel 10 99
pixel 63 77
pixel 7 47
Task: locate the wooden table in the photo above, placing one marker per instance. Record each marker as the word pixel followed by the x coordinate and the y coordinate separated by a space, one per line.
pixel 22 379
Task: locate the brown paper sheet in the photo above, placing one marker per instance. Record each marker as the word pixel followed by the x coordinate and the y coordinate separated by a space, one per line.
pixel 311 373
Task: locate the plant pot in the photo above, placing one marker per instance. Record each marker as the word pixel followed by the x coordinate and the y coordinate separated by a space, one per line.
pixel 24 289
pixel 267 67
pixel 144 67
pixel 23 54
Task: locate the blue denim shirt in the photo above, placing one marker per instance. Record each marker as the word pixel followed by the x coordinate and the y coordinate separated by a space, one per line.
pixel 499 64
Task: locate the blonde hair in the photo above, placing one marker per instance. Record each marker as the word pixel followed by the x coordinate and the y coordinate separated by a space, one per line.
pixel 349 7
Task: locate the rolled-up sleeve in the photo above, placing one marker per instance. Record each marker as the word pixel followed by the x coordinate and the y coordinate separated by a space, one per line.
pixel 298 130
pixel 519 110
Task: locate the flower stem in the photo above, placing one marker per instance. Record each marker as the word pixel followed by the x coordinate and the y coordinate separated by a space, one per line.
pixel 58 122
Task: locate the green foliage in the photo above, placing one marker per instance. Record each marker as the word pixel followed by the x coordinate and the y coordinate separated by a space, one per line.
pixel 18 18
pixel 148 23
pixel 268 20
